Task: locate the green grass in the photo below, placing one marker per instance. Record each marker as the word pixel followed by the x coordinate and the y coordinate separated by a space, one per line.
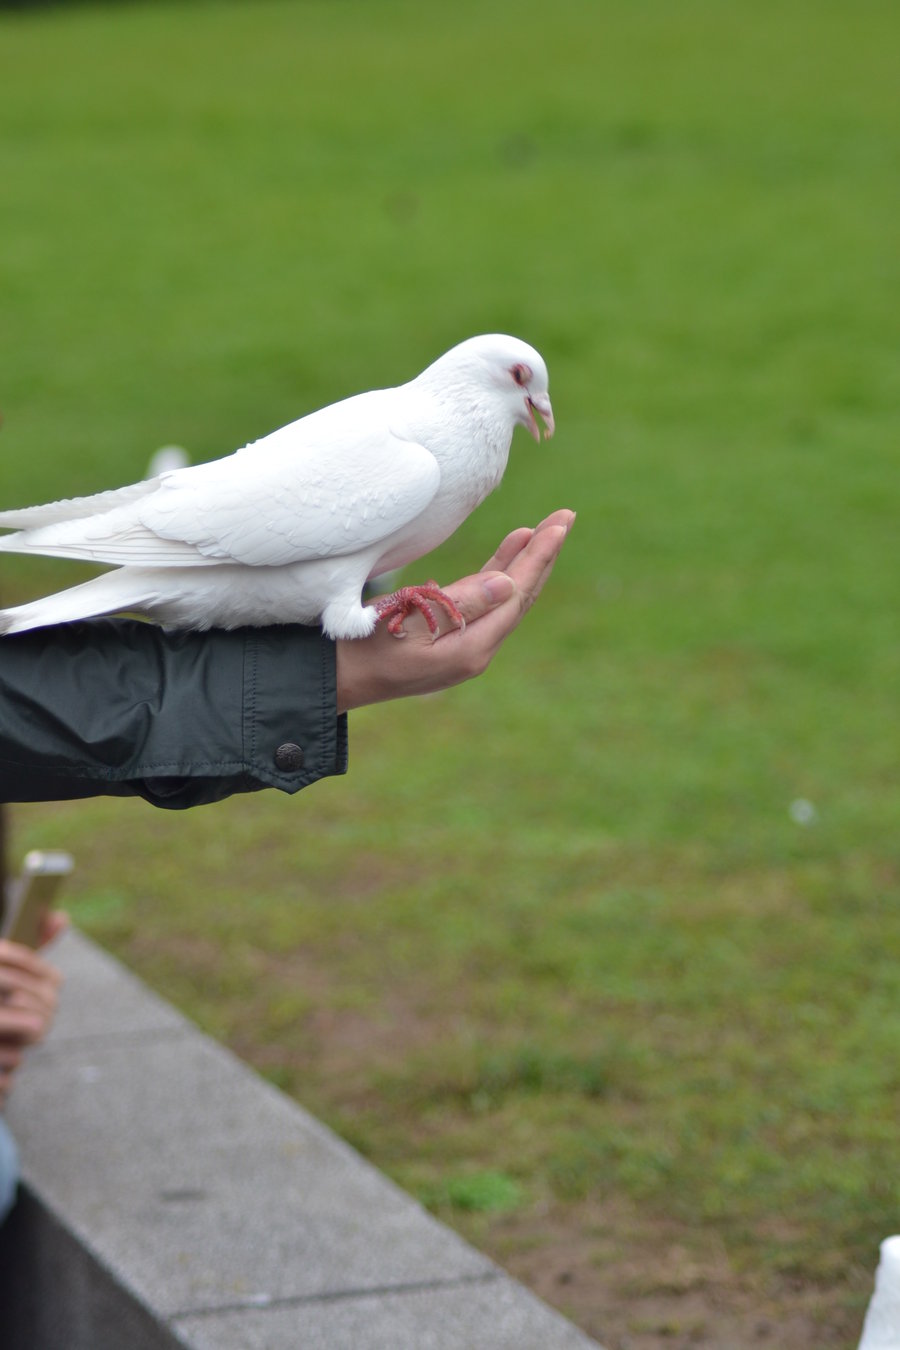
pixel 555 954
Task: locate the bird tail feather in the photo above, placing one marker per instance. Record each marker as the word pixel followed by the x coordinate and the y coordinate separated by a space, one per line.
pixel 111 593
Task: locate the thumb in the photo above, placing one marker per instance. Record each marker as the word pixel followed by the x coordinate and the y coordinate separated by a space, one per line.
pixel 474 597
pixel 477 595
pixel 497 587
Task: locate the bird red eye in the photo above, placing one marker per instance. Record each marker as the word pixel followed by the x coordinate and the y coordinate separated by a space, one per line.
pixel 521 374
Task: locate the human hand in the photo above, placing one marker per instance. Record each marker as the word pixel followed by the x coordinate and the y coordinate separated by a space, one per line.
pixel 29 993
pixel 493 601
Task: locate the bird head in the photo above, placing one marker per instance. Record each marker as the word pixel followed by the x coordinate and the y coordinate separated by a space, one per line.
pixel 510 372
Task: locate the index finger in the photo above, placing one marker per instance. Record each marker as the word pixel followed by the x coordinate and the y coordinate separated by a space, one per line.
pixel 531 568
pixel 519 539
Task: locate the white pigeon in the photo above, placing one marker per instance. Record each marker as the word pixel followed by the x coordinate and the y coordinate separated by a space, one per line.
pixel 881 1328
pixel 289 528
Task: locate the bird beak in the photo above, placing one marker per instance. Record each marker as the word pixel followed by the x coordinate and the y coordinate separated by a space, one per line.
pixel 540 404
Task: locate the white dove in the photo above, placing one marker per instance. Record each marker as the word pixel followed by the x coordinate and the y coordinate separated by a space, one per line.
pixel 289 528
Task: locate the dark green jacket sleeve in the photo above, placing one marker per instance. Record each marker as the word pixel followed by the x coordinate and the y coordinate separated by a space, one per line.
pixel 119 707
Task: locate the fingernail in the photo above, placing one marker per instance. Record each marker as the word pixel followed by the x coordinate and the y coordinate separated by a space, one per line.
pixel 498 588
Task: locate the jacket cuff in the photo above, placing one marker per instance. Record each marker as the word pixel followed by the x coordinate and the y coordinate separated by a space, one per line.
pixel 293 734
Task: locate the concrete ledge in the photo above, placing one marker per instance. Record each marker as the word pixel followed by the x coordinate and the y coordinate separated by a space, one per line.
pixel 174 1199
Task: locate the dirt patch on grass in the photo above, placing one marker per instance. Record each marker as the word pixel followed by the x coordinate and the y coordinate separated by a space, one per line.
pixel 642 1283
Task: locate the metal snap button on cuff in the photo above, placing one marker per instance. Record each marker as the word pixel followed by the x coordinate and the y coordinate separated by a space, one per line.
pixel 289 757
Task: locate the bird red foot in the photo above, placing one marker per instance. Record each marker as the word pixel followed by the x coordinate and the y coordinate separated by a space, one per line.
pixel 397 608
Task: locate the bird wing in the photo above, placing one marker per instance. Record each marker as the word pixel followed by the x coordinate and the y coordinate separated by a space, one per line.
pixel 272 503
pixel 289 504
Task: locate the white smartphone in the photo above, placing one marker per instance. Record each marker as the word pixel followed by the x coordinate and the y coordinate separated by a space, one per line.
pixel 31 895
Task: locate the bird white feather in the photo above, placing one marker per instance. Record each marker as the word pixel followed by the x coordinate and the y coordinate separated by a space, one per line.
pixel 289 528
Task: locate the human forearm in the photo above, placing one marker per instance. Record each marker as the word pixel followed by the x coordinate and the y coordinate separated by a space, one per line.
pixel 117 707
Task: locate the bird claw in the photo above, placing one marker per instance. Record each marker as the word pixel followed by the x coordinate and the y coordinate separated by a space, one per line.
pixel 397 608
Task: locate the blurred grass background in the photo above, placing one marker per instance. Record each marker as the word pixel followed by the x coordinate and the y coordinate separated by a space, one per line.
pixel 563 953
